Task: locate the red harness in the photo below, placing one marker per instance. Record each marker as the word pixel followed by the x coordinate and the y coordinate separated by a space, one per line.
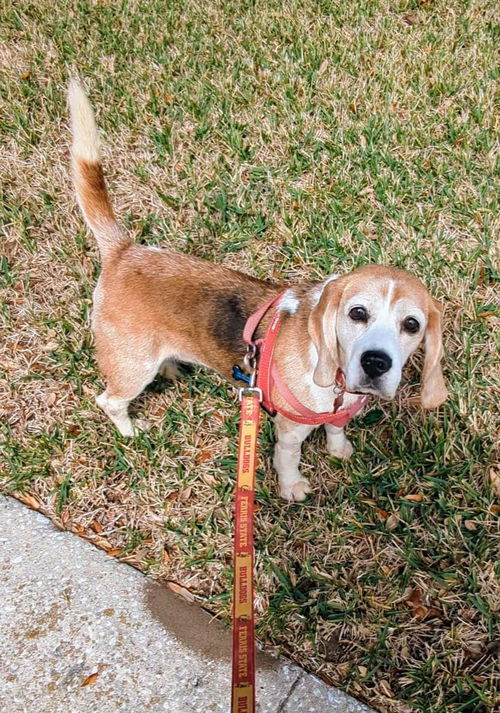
pixel 269 377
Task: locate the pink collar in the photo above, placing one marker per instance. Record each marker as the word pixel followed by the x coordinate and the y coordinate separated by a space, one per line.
pixel 268 377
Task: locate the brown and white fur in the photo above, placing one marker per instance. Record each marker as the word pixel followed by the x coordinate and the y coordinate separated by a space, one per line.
pixel 154 308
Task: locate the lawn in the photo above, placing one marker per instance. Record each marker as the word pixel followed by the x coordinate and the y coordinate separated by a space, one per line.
pixel 287 140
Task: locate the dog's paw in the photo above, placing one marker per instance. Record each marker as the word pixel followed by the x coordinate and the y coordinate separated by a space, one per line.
pixel 126 429
pixel 297 491
pixel 342 449
pixel 133 428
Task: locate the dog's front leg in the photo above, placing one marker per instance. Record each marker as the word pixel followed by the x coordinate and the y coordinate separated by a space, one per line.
pixel 289 438
pixel 336 443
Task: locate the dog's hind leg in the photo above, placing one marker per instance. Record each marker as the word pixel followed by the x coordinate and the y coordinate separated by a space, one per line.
pixel 126 379
pixel 115 402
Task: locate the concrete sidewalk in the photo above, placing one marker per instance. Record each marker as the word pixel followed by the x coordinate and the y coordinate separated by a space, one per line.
pixel 81 632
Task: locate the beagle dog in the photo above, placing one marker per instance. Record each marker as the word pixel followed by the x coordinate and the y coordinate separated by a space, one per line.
pixel 153 308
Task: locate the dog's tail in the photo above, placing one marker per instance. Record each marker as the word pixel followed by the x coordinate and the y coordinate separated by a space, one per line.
pixel 88 176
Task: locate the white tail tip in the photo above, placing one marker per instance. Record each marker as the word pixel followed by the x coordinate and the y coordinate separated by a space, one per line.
pixel 85 134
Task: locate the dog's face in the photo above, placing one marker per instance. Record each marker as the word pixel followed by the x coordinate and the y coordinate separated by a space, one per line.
pixel 368 323
pixel 378 326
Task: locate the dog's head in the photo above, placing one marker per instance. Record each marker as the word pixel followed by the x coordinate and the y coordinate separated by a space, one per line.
pixel 368 323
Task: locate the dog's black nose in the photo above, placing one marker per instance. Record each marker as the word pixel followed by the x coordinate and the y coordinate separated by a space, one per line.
pixel 375 363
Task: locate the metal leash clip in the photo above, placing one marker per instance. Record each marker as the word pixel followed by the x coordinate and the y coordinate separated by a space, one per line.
pixel 250 361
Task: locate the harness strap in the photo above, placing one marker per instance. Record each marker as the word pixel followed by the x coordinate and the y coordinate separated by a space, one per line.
pixel 269 377
pixel 305 415
pixel 255 319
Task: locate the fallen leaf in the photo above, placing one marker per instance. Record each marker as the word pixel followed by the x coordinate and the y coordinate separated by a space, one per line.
pixel 386 689
pixel 204 455
pixel 494 474
pixel 114 553
pixel 486 314
pixel 411 19
pixel 474 649
pixel 414 597
pixel 470 525
pixel 28 500
pixel 96 526
pixel 414 498
pixel 90 679
pixel 420 609
pixel 415 602
pixel 392 522
pixel 323 66
pixel 185 494
pixel 102 543
pixel 166 556
pixel 495 509
pixel 209 479
pixel 343 669
pixel 181 591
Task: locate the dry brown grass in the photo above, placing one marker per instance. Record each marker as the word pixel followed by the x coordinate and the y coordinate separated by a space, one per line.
pixel 290 143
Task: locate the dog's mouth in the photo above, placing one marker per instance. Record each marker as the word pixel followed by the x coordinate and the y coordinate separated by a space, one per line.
pixel 371 389
pixel 383 386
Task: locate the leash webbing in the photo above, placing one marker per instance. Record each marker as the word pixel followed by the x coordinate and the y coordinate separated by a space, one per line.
pixel 243 677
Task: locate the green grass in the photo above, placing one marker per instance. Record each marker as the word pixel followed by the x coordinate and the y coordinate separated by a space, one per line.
pixel 290 141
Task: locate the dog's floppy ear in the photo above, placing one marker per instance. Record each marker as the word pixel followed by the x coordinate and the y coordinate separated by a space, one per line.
pixel 322 328
pixel 434 391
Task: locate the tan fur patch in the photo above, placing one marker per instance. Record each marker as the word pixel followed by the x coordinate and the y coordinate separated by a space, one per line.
pixel 92 191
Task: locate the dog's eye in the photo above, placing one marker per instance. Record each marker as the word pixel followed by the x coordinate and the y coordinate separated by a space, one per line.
pixel 411 325
pixel 358 314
